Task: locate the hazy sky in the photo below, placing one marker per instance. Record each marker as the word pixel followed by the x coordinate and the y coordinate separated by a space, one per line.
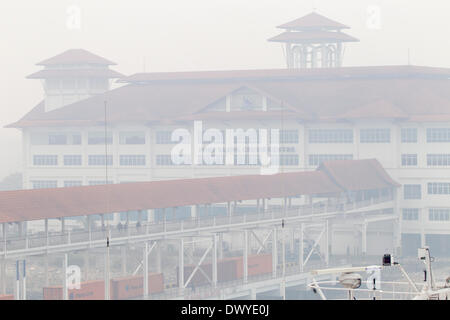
pixel 177 35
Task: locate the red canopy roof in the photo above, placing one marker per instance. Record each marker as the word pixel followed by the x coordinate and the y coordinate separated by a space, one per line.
pixel 75 56
pixel 316 36
pixel 25 205
pixel 313 21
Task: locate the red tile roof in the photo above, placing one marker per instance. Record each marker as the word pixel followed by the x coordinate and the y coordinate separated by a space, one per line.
pixel 358 175
pixel 62 73
pixel 316 36
pixel 75 56
pixel 315 95
pixel 313 20
pixel 23 205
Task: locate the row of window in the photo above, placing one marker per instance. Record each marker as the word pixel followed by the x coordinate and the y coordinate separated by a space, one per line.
pixel 414 191
pixel 434 214
pixel 370 135
pixel 45 184
pixel 317 159
pixel 93 160
pixel 433 160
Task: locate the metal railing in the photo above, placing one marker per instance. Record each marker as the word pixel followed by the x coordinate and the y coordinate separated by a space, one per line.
pixel 27 244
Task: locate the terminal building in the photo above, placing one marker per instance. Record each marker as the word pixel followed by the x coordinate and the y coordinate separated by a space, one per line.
pixel 324 111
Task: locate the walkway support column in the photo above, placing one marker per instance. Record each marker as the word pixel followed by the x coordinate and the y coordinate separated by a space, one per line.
pixel 301 247
pixel 181 265
pixel 274 253
pixel 214 261
pixel 245 258
pixel 145 269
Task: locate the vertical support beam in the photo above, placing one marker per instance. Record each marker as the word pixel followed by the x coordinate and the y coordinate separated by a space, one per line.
pixel 257 206
pixel 46 232
pixel 46 269
pixel 4 238
pixel 86 265
pixel 181 265
pixel 65 289
pixel 145 269
pixel 274 253
pixel 327 243
pixel 88 221
pixel 3 276
pixel 220 246
pixel 18 277
pixel 107 267
pixel 63 225
pixel 24 279
pixel 214 261
pixel 229 209
pixel 123 254
pixel 245 259
pixel 301 247
pixel 364 238
pixel 158 257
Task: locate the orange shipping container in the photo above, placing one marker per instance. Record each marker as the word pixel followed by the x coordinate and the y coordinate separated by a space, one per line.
pixel 90 290
pixel 133 287
pixel 6 297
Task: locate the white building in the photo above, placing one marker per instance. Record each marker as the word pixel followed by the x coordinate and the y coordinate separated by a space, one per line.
pixel 399 115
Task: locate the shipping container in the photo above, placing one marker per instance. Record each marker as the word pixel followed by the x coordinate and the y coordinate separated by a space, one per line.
pixel 133 286
pixel 89 290
pixel 120 288
pixel 229 269
pixel 6 297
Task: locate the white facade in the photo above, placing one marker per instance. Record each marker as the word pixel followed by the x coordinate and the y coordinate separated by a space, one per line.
pixel 429 212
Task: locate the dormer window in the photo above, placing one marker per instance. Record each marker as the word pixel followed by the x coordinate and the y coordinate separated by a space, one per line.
pixel 246 100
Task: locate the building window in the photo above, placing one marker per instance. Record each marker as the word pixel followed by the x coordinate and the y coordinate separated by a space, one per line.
pixel 409 135
pixel 438 135
pixel 132 138
pixel 98 182
pixel 132 160
pixel 72 183
pixel 99 160
pixel 72 160
pixel 330 136
pixel 375 136
pixel 98 137
pixel 288 136
pixel 57 139
pixel 164 160
pixel 439 214
pixel 438 188
pixel 246 100
pixel 410 214
pixel 409 159
pixel 45 160
pixel 164 137
pixel 289 159
pixel 317 159
pixel 44 184
pixel 412 191
pixel 438 160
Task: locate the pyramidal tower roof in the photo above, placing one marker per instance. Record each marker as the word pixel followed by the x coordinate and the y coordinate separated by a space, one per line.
pixel 313 21
pixel 75 56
